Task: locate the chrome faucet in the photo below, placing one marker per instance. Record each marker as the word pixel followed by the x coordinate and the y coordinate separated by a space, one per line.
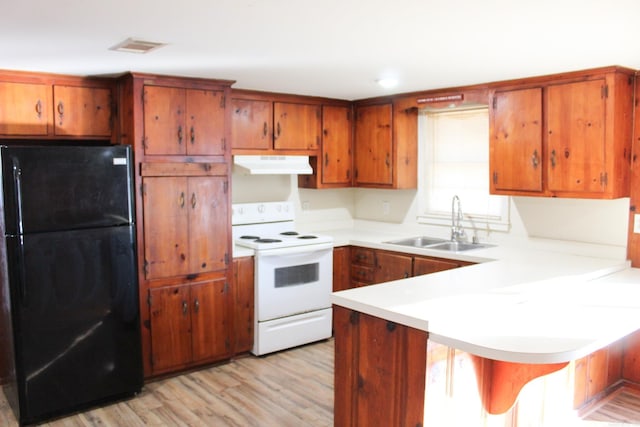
pixel 457 232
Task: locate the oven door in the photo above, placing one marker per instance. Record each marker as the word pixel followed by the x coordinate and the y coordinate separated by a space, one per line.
pixel 293 280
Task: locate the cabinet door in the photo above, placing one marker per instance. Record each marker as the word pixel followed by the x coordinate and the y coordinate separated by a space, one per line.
pixel 336 145
pixel 575 117
pixel 166 222
pixel 205 122
pixel 251 124
pixel 210 320
pixel 170 327
pixel 516 140
pixel 24 108
pixel 82 111
pixel 373 145
pixel 428 265
pixel 297 126
pixel 243 276
pixel 341 268
pixel 208 224
pixel 392 266
pixel 164 123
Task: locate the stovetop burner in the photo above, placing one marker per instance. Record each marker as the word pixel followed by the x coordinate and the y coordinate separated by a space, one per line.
pixel 308 236
pixel 289 233
pixel 250 237
pixel 265 240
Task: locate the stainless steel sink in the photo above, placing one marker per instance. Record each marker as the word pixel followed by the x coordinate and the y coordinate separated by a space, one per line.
pixel 459 246
pixel 417 242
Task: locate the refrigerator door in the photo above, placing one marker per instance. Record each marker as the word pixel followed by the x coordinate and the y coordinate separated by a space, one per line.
pixel 75 317
pixel 64 188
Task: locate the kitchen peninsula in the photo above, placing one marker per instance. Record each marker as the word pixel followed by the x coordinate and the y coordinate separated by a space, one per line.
pixel 522 315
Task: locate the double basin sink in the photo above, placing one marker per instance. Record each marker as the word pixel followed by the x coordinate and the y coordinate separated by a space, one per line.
pixel 438 244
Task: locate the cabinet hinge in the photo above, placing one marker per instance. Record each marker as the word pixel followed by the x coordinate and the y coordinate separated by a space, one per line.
pixel 226 258
pixel 495 177
pixel 142 96
pixel 149 300
pixel 142 190
pixel 604 179
pixel 354 317
pixel 225 187
pixel 494 103
pixel 225 290
pixel 224 144
pixel 146 268
pixel 605 91
pixel 223 101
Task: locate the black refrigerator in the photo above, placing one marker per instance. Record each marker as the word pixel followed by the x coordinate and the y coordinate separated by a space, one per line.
pixel 69 279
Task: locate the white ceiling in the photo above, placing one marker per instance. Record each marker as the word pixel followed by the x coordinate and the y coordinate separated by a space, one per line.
pixel 333 48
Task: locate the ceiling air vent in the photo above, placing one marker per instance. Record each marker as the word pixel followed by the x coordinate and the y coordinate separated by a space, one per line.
pixel 136 46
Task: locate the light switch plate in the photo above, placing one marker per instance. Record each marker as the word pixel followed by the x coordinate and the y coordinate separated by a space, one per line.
pixel 636 223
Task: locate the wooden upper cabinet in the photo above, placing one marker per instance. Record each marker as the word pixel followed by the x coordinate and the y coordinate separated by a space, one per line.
pixel 25 109
pixel 332 168
pixel 180 121
pixel 251 124
pixel 575 117
pixel 296 126
pixel 567 135
pixel 386 145
pixel 185 225
pixel 45 106
pixel 373 145
pixel 516 140
pixel 82 111
pixel 262 124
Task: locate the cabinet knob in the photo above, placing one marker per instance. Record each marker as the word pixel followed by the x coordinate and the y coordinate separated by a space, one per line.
pixel 181 200
pixel 192 135
pixel 193 200
pixel 196 305
pixel 265 129
pixel 534 159
pixel 39 108
pixel 184 307
pixel 180 135
pixel 60 111
pixel 553 158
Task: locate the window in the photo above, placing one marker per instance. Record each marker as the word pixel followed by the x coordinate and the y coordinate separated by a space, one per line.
pixel 454 146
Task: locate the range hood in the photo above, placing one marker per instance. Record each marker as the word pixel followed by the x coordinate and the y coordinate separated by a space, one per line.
pixel 272 165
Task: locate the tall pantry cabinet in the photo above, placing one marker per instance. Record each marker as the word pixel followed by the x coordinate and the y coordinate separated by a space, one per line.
pixel 178 128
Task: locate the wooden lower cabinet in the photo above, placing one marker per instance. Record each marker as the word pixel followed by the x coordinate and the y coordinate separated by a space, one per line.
pixel 380 370
pixel 190 324
pixel 370 266
pixel 341 268
pixel 243 291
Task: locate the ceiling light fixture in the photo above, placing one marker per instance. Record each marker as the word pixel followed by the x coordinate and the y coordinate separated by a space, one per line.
pixel 387 82
pixel 136 46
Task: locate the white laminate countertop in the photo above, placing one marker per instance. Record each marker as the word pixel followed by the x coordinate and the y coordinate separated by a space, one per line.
pixel 517 305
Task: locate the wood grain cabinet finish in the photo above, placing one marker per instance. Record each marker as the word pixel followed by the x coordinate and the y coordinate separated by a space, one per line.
pixel 190 324
pixel 332 168
pixel 371 266
pixel 386 145
pixel 185 225
pixel 179 121
pixel 243 291
pixel 341 268
pixel 264 125
pixel 71 108
pixel 565 136
pixel 380 370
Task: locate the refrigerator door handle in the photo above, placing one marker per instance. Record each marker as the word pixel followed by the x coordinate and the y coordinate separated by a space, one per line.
pixel 17 181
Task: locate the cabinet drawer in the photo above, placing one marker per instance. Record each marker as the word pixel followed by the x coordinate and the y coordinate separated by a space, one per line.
pixel 363 256
pixel 361 273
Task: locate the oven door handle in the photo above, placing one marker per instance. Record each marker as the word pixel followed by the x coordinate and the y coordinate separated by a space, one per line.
pixel 295 250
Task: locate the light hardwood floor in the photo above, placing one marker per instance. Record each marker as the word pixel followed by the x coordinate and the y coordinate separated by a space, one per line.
pixel 289 388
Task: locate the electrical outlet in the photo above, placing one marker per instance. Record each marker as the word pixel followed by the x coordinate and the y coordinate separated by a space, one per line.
pixel 386 208
pixel 636 223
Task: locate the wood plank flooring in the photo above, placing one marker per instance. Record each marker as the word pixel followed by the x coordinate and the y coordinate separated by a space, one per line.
pixel 290 388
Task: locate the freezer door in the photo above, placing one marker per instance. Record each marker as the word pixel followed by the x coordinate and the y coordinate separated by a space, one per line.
pixel 74 298
pixel 66 187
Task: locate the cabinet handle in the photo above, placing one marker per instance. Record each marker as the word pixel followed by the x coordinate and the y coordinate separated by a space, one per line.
pixel 192 135
pixel 326 159
pixel 265 129
pixel 39 108
pixel 534 159
pixel 193 200
pixel 180 135
pixel 181 200
pixel 196 305
pixel 387 161
pixel 60 111
pixel 278 130
pixel 185 307
pixel 553 158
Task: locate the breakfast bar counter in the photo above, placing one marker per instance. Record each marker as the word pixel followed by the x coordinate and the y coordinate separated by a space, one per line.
pixel 520 316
